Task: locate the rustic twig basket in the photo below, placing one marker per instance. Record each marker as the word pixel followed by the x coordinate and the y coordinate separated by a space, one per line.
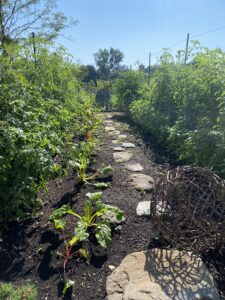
pixel 188 207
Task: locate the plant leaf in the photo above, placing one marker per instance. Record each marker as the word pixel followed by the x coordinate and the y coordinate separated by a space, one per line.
pixel 81 230
pixel 103 234
pixel 94 196
pixel 59 224
pixel 106 170
pixel 83 253
pixel 102 185
pixel 67 284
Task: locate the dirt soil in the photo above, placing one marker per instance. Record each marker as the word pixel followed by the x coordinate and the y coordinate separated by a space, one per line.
pixel 28 249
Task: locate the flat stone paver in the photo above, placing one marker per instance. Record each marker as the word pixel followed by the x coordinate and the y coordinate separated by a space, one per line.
pixel 141 182
pixel 121 157
pixel 128 145
pixel 143 208
pixel 134 167
pixel 118 149
pixel 114 132
pixel 110 128
pixel 115 142
pixel 161 274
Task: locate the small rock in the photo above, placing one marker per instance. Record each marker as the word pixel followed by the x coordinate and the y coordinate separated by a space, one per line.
pixel 128 145
pixel 141 182
pixel 143 208
pixel 111 267
pixel 110 128
pixel 121 157
pixel 122 136
pixel 134 167
pixel 161 274
pixel 118 149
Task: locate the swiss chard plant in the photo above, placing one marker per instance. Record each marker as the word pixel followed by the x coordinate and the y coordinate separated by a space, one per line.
pixel 93 221
pixel 81 161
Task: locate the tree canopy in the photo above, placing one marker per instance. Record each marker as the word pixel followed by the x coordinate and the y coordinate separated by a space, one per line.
pixel 19 17
pixel 107 62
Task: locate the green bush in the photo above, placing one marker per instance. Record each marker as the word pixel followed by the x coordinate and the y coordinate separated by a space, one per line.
pixel 184 107
pixel 41 109
pixel 24 292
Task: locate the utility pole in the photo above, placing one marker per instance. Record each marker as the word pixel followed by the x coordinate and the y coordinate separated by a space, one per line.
pixel 2 33
pixel 34 49
pixel 149 67
pixel 186 51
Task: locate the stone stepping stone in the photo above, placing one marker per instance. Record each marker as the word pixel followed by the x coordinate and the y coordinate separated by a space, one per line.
pixel 115 142
pixel 108 121
pixel 128 145
pixel 118 149
pixel 116 132
pixel 161 274
pixel 110 128
pixel 134 167
pixel 121 157
pixel 141 182
pixel 122 136
pixel 108 116
pixel 143 208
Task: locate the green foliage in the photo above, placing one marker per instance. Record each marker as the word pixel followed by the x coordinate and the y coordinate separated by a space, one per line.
pixel 9 292
pixel 183 108
pixel 127 88
pixel 107 62
pixel 41 109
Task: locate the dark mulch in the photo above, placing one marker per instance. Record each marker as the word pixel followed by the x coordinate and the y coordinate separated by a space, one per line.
pixel 27 252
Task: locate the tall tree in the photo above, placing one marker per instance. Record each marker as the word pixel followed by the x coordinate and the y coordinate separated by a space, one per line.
pixel 107 61
pixel 18 17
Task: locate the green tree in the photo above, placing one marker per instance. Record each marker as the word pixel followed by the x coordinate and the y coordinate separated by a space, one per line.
pixel 89 74
pixel 19 17
pixel 107 62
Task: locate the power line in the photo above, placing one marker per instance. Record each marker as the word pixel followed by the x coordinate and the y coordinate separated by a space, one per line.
pixel 193 36
pixel 206 32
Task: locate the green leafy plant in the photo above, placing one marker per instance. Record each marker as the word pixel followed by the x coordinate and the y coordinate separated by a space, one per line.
pixel 25 292
pixel 94 220
pixel 81 163
pixel 43 108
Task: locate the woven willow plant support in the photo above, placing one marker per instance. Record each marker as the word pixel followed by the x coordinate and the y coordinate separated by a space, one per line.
pixel 188 207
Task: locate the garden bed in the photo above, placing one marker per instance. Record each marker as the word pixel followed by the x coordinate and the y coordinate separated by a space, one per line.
pixel 28 249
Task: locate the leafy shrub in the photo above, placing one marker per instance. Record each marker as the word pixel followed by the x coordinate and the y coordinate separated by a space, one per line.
pixel 184 107
pixel 24 292
pixel 41 109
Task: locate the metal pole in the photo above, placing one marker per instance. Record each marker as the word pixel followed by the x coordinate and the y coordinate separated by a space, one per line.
pixel 186 51
pixel 34 49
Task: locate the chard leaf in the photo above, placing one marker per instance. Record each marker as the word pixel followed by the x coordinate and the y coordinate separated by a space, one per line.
pixel 83 253
pixel 103 234
pixel 94 196
pixel 58 213
pixel 106 170
pixel 59 224
pixel 102 185
pixel 67 284
pixel 81 230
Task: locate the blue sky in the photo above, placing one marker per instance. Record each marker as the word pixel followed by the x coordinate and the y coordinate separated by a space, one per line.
pixel 138 27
